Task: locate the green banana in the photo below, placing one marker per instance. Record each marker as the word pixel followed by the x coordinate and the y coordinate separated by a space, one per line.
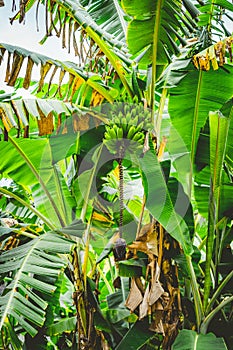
pixel 131 132
pixel 112 134
pixel 124 127
pixel 139 127
pixel 126 108
pixel 115 128
pixel 134 121
pixel 128 117
pixel 137 136
pixel 120 133
pixel 117 121
pixel 107 136
pixel 141 140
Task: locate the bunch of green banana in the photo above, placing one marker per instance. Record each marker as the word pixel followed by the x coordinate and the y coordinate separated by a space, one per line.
pixel 127 126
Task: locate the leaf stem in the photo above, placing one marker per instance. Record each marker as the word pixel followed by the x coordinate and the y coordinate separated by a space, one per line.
pixel 210 316
pixel 154 57
pixel 38 177
pixel 29 206
pixel 196 294
pixel 218 291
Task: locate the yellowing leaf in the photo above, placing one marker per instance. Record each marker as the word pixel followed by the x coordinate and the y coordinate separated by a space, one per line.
pixel 101 217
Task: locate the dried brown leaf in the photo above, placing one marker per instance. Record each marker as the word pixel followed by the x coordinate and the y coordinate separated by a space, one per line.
pixel 16 66
pixel 135 297
pixel 155 292
pixel 8 67
pixel 81 122
pixel 96 99
pixel 52 76
pixel 45 124
pixel 157 327
pixel 64 32
pixel 2 51
pixel 75 45
pixel 144 232
pixel 144 306
pixel 28 75
pixel 22 5
pixel 43 72
pixel 69 33
pixel 61 77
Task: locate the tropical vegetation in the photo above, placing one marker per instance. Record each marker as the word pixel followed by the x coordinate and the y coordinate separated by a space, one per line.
pixel 116 178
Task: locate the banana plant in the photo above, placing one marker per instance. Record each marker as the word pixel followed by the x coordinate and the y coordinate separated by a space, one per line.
pixel 123 48
pixel 207 143
pixel 155 33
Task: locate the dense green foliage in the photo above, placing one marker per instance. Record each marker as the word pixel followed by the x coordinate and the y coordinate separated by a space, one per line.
pixel 116 179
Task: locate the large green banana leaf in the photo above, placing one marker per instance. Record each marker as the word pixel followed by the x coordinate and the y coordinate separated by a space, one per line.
pixel 225 200
pixel 190 340
pixel 156 33
pixel 109 15
pixel 214 148
pixel 156 29
pixel 219 126
pixel 38 257
pixel 34 159
pixel 190 102
pixel 160 204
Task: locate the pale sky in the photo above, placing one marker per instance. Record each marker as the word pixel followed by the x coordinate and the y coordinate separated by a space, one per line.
pixel 26 36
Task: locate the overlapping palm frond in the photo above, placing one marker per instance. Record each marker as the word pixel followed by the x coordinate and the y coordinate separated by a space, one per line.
pixel 112 19
pixel 157 29
pixel 94 45
pixel 157 32
pixel 85 13
pixel 77 77
pixel 26 263
pixel 211 18
pixel 50 116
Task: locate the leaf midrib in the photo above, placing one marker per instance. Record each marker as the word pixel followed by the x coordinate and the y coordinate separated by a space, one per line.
pixel 16 280
pixel 194 129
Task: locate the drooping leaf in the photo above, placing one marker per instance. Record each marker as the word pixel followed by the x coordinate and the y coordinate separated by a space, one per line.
pixel 39 256
pixel 47 185
pixel 188 339
pixel 46 63
pixel 159 202
pixel 98 29
pixel 214 55
pixel 65 325
pixel 155 28
pixel 136 337
pixel 189 106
